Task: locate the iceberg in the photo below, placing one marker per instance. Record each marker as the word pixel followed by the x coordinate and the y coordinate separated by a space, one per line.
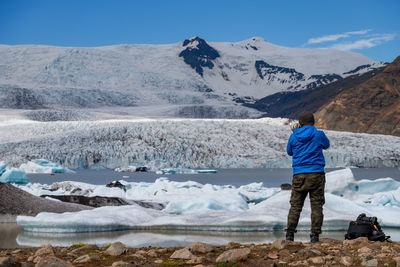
pixel 3 167
pixel 184 171
pixel 13 175
pixel 194 206
pixel 43 166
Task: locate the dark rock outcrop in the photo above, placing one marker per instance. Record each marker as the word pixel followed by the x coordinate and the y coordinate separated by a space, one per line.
pixel 117 184
pixel 15 201
pixel 198 54
pixel 99 201
pixel 370 107
pixel 264 70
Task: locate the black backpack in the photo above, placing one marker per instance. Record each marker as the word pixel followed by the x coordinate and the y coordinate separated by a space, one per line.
pixel 366 227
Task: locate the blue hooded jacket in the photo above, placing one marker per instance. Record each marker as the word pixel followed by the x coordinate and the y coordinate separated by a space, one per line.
pixel 305 145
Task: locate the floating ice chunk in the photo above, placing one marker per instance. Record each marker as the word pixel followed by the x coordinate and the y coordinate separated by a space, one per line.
pixel 43 166
pixel 226 200
pixel 374 186
pixel 13 175
pixel 184 171
pixel 126 169
pixel 338 181
pixel 3 167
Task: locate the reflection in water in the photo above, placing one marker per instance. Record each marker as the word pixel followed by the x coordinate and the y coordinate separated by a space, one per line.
pixel 8 234
pixel 13 236
pixel 158 238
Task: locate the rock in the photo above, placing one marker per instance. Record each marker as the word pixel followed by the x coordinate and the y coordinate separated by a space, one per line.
pixel 31 258
pixel 200 247
pixel 116 249
pixel 162 250
pixel 286 187
pixel 199 265
pixel 315 252
pixel 117 184
pixel 397 260
pixel 25 264
pixel 284 252
pixel 82 259
pixel 86 258
pixel 152 253
pixel 7 261
pixel 370 263
pixel 84 248
pixel 141 252
pixel 159 261
pixel 346 261
pixel 53 262
pixel 16 201
pixel 234 255
pixel 196 260
pixel 279 244
pixel 120 264
pixel 16 251
pixel 364 250
pixel 272 256
pixel 382 255
pixel 138 256
pixel 232 245
pixel 329 240
pixel 46 249
pixel 357 241
pixel 183 254
pixel 317 260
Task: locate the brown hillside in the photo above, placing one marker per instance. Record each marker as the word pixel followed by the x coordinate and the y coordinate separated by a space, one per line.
pixel 371 107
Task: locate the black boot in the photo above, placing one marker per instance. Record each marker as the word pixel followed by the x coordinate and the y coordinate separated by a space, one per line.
pixel 314 238
pixel 289 236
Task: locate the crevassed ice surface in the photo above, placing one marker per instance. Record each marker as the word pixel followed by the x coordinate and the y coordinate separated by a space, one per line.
pixel 182 143
pixel 194 206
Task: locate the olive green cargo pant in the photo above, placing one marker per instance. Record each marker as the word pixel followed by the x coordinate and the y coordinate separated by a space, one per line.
pixel 302 184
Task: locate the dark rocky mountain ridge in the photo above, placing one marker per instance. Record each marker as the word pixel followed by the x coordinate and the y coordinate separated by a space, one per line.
pixel 291 104
pixel 371 107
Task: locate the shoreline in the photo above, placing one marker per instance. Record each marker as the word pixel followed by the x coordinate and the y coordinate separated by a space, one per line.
pixel 329 252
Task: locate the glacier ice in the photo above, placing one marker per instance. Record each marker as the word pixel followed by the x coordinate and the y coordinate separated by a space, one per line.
pixel 43 166
pixel 13 175
pixel 195 206
pixel 184 171
pixel 183 143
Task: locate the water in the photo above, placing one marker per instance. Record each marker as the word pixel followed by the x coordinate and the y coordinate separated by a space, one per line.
pixel 13 236
pixel 236 177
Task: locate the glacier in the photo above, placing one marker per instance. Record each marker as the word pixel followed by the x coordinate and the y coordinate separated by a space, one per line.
pixel 180 143
pixel 207 207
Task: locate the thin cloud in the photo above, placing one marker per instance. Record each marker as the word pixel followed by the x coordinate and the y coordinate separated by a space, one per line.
pixel 364 43
pixel 335 37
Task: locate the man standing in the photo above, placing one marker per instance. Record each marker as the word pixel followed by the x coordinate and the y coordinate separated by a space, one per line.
pixel 305 146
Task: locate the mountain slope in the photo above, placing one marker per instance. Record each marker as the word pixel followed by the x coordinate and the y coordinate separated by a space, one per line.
pixel 291 104
pixel 180 76
pixel 371 107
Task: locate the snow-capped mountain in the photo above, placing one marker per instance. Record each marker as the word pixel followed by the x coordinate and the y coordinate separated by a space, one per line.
pixel 190 77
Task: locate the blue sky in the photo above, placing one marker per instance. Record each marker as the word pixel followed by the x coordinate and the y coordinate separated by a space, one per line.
pixel 365 26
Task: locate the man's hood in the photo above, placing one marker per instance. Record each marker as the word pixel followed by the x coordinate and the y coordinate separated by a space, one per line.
pixel 305 133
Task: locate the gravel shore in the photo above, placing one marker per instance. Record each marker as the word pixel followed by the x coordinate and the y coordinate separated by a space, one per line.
pixel 329 252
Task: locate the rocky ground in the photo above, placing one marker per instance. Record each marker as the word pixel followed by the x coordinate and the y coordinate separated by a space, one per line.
pixel 329 252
